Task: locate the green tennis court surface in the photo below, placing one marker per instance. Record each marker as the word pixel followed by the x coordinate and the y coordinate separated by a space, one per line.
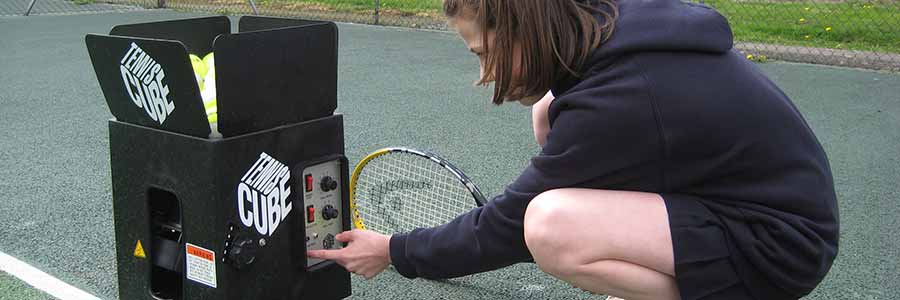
pixel 13 288
pixel 397 87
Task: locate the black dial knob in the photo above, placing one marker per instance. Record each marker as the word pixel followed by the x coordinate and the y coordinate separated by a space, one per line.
pixel 242 252
pixel 328 184
pixel 329 212
pixel 332 185
pixel 328 242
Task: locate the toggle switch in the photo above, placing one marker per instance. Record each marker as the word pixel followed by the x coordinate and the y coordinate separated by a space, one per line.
pixel 309 183
pixel 310 214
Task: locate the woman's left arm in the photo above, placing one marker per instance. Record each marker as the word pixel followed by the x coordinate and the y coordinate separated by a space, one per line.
pixel 540 121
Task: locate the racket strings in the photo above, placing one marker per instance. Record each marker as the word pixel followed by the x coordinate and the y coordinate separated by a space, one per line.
pixel 399 192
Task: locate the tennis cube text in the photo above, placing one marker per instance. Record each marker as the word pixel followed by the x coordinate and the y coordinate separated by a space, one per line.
pixel 263 194
pixel 143 78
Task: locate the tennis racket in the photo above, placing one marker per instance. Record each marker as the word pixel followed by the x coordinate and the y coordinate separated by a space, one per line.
pixel 396 190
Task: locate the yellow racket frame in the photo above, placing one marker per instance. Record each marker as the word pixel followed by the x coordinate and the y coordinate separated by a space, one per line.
pixel 354 212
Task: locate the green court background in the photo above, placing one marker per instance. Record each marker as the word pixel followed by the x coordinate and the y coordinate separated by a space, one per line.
pixel 396 87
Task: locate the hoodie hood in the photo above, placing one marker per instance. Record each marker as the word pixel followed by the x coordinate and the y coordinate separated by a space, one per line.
pixel 667 25
pixel 658 25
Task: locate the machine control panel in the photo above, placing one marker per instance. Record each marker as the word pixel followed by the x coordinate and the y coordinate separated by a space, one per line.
pixel 322 198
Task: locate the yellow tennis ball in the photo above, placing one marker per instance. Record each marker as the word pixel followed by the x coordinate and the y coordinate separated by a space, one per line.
pixel 199 69
pixel 212 111
pixel 209 85
pixel 208 91
pixel 208 94
pixel 211 107
pixel 209 60
pixel 198 65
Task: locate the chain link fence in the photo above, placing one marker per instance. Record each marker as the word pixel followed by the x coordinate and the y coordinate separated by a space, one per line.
pixel 36 7
pixel 854 33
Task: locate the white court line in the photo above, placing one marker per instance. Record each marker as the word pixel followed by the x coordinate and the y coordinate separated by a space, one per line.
pixel 42 281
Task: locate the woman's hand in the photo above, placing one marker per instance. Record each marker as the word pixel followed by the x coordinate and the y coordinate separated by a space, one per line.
pixel 540 120
pixel 367 254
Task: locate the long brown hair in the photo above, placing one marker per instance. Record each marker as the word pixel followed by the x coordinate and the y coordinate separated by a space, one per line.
pixel 556 37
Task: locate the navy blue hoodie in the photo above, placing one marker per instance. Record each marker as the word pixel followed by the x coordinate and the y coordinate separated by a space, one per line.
pixel 665 106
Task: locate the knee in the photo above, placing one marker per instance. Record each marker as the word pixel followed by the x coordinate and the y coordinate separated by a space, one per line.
pixel 539 218
pixel 544 233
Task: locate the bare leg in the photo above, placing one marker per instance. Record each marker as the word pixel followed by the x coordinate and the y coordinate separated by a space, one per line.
pixel 608 242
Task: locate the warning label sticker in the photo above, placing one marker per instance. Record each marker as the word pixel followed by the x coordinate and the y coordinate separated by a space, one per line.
pixel 139 250
pixel 201 265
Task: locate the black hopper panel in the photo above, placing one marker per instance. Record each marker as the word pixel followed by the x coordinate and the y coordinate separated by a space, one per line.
pixel 149 82
pixel 196 34
pixel 277 77
pixel 254 23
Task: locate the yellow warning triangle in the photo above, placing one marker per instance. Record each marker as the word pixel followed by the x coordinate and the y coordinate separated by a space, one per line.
pixel 139 250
